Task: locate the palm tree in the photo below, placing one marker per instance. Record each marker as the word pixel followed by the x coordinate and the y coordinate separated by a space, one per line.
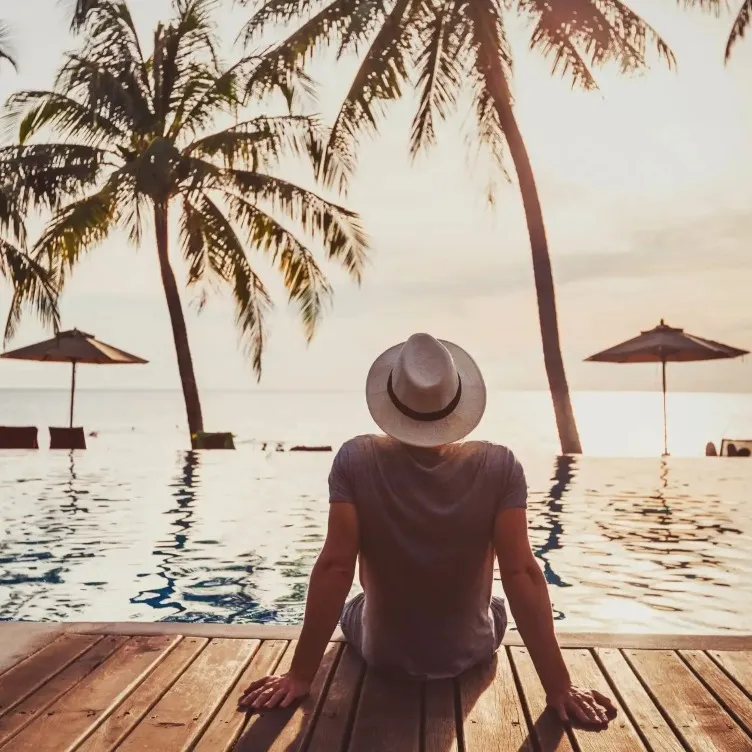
pixel 129 145
pixel 457 47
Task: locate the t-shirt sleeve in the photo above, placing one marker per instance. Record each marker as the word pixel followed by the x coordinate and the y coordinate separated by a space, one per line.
pixel 513 490
pixel 340 477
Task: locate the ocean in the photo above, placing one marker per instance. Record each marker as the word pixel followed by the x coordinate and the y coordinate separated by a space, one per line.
pixel 139 528
pixel 612 424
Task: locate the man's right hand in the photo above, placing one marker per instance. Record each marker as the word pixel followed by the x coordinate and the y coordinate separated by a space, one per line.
pixel 586 706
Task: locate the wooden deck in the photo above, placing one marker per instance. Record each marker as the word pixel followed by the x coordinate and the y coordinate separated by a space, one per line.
pixel 161 687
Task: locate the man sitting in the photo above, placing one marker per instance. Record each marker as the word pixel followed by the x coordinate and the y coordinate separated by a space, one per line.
pixel 425 513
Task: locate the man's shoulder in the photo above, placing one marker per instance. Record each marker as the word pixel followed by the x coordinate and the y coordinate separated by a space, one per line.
pixel 359 444
pixel 498 455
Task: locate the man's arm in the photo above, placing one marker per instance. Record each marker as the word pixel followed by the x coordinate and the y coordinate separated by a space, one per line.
pixel 527 593
pixel 330 583
pixel 331 580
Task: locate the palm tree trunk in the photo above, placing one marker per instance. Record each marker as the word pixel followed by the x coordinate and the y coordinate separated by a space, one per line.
pixel 179 331
pixel 544 280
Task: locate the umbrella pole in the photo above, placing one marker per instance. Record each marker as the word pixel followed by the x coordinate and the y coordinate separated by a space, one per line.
pixel 72 392
pixel 665 418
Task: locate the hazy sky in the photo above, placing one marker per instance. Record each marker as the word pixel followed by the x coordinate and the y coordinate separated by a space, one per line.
pixel 645 188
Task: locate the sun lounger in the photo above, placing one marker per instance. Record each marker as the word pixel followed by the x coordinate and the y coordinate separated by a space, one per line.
pixel 736 448
pixel 18 437
pixel 67 438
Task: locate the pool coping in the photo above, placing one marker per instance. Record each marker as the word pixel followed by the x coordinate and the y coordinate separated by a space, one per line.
pixel 19 639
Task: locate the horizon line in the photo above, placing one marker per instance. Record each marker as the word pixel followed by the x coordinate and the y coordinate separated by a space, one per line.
pixel 221 390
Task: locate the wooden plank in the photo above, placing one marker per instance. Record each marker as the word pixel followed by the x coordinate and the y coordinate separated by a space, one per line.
pixel 589 640
pixel 196 629
pixel 30 674
pixel 80 709
pixel 492 712
pixel 177 720
pixel 546 726
pixel 21 639
pixel 228 723
pixel 34 705
pixel 734 701
pixel 388 715
pixel 440 722
pixel 135 706
pixel 620 736
pixel 638 704
pixel 696 716
pixel 289 729
pixel 512 637
pixel 337 712
pixel 738 665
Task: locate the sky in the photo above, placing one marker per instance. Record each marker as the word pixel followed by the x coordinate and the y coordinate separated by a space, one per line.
pixel 645 188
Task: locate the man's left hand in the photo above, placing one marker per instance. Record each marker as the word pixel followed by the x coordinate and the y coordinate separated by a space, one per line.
pixel 272 692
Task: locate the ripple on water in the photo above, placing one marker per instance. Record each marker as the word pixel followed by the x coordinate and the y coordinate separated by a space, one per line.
pixel 626 545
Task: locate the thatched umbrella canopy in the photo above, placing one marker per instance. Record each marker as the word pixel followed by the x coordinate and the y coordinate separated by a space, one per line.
pixel 74 347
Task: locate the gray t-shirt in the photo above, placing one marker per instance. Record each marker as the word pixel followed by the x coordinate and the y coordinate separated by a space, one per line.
pixel 426 547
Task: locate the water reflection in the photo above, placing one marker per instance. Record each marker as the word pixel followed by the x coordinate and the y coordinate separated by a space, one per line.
pixel 678 548
pixel 72 489
pixel 624 544
pixel 549 524
pixel 168 553
pixel 564 473
pixel 198 583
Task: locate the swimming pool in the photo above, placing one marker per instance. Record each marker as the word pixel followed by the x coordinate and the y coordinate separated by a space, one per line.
pixel 139 533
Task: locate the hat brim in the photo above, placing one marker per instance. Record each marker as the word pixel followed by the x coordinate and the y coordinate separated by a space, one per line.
pixel 462 421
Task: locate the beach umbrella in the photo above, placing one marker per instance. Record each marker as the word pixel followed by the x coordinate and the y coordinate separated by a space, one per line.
pixel 74 347
pixel 666 344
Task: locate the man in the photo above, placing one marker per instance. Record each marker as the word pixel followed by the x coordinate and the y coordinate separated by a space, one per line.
pixel 425 514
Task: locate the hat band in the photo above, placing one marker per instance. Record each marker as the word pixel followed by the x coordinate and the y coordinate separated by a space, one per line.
pixel 425 417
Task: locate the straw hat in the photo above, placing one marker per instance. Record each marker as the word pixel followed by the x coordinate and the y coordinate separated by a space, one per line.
pixel 426 392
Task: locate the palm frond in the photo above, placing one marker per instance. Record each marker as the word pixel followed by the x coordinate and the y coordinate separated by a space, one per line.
pixel 262 141
pixel 185 56
pixel 79 227
pixel 440 78
pixel 211 244
pixel 33 287
pixel 304 281
pixel 31 111
pixel 567 61
pixel 203 96
pixel 45 175
pixel 380 79
pixel 489 76
pixel 277 13
pixel 273 72
pixel 12 216
pixel 81 11
pixel 583 33
pixel 114 95
pixel 337 228
pixel 713 6
pixel 366 18
pixel 112 38
pixel 281 66
pixel 6 49
pixel 111 72
pixel 740 27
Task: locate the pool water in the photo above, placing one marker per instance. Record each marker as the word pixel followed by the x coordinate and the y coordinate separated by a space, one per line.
pixel 143 533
